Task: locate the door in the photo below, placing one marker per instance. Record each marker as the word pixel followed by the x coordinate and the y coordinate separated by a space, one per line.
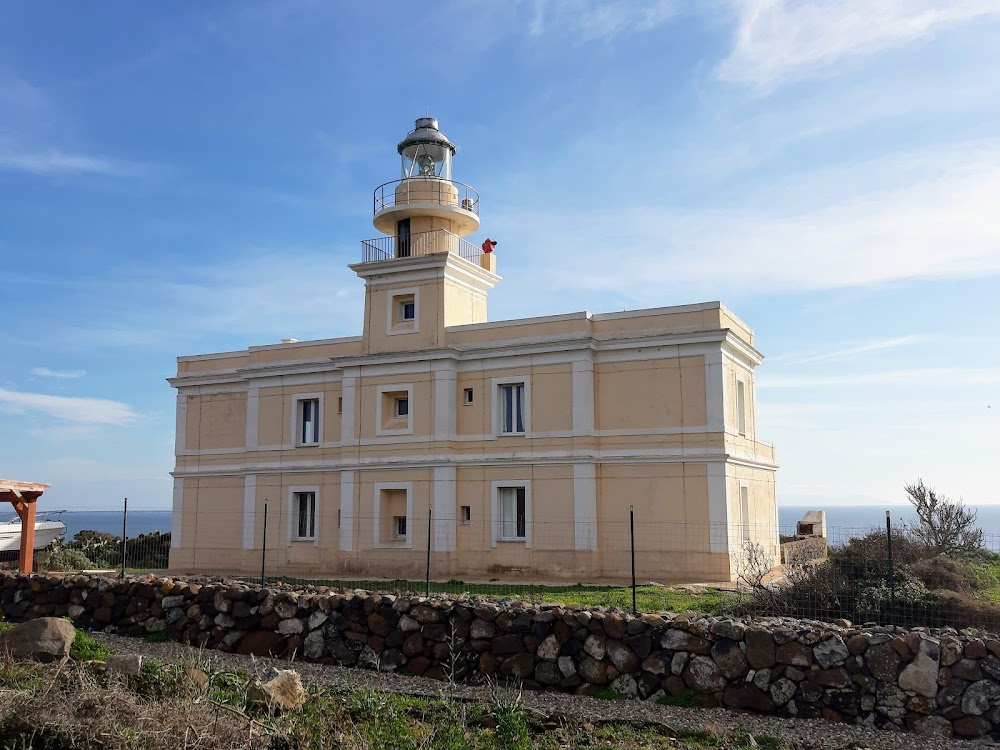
pixel 403 238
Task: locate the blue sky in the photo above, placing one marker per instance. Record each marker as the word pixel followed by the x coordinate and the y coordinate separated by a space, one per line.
pixel 180 178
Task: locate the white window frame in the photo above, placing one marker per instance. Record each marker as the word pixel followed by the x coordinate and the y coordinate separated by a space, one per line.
pixel 293 516
pixel 495 384
pixel 744 504
pixel 407 542
pixel 390 312
pixel 468 396
pixel 466 514
pixel 396 402
pixel 380 392
pixel 496 519
pixel 742 418
pixel 395 527
pixel 297 400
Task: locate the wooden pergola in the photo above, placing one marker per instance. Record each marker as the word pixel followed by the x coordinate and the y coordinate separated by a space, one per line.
pixel 23 495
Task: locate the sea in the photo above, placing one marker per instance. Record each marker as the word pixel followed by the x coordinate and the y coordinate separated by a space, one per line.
pixel 110 521
pixel 851 520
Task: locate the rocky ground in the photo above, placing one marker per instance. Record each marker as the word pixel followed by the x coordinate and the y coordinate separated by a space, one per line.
pixel 803 733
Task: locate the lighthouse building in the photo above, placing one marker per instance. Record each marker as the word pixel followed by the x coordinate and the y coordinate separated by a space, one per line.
pixel 531 449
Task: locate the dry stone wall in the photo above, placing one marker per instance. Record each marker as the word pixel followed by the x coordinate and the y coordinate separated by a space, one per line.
pixel 932 681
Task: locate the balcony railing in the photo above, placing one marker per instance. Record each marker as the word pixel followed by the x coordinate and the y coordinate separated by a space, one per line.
pixel 426 190
pixel 420 243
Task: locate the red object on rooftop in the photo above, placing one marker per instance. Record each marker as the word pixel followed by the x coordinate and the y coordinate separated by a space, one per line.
pixel 489 245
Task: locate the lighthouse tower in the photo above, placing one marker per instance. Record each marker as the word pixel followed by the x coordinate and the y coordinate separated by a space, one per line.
pixel 422 275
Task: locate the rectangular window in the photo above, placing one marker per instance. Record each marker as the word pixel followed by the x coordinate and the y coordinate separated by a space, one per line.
pixel 305 514
pixel 466 514
pixel 399 526
pixel 467 396
pixel 340 405
pixel 401 407
pixel 745 512
pixel 512 511
pixel 741 407
pixel 408 311
pixel 309 421
pixel 512 408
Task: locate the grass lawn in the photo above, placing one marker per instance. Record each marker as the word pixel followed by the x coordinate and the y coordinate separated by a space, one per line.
pixel 648 598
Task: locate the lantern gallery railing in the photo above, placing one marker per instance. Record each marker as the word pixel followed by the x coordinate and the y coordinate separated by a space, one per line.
pixel 420 243
pixel 426 190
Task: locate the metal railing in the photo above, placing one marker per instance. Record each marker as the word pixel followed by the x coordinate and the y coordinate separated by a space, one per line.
pixel 420 243
pixel 426 190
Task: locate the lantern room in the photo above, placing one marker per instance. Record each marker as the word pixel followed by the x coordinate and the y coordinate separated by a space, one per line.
pixel 426 151
pixel 426 198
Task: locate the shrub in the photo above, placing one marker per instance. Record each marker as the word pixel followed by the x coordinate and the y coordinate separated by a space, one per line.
pixel 942 572
pixel 947 526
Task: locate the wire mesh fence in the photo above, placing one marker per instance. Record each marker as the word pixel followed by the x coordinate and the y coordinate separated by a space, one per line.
pixel 863 574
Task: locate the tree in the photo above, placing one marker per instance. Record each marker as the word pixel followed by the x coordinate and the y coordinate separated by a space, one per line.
pixel 946 526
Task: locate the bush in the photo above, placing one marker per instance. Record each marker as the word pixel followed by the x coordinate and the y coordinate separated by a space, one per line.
pixel 60 558
pixel 942 572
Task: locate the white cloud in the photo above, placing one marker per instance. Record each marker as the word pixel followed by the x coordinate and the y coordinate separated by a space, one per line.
pixel 847 351
pixel 945 377
pixel 45 372
pixel 587 20
pixel 779 40
pixel 926 215
pixel 55 162
pixel 72 409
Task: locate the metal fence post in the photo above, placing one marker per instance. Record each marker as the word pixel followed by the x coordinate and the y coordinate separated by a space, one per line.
pixel 631 530
pixel 124 535
pixel 892 587
pixel 427 581
pixel 263 546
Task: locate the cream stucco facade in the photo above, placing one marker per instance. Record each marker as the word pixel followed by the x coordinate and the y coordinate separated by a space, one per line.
pixel 515 447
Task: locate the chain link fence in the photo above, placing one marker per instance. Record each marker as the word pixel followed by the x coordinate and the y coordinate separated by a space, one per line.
pixel 862 574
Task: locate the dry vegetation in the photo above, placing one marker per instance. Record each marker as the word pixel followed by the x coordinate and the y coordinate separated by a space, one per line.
pixel 76 706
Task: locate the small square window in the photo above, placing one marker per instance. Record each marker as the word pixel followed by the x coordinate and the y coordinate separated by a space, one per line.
pixel 466 514
pixel 467 396
pixel 399 526
pixel 401 407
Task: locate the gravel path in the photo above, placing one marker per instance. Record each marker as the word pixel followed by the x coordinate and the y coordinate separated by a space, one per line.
pixel 807 732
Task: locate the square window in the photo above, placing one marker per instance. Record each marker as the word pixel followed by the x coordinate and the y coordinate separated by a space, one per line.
pixel 513 525
pixel 308 421
pixel 305 515
pixel 392 411
pixel 467 396
pixel 466 514
pixel 511 406
pixel 403 312
pixel 399 526
pixel 401 407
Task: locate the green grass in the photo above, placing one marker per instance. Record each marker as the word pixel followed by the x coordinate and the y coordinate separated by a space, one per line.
pixel 648 598
pixel 85 648
pixel 683 700
pixel 160 636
